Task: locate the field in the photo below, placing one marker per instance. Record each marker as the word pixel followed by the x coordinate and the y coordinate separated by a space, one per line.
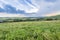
pixel 33 30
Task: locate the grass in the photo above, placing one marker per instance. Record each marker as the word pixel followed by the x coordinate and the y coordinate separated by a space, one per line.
pixel 35 30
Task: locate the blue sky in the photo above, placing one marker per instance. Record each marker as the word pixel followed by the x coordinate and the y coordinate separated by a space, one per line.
pixel 29 8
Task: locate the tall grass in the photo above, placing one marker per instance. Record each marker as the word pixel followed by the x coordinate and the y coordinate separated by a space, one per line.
pixel 35 30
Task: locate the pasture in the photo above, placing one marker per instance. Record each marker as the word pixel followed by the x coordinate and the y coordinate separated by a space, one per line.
pixel 32 30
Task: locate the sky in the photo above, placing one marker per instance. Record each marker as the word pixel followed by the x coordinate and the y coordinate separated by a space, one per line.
pixel 29 8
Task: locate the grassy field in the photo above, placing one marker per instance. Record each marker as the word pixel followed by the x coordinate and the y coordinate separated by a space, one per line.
pixel 35 30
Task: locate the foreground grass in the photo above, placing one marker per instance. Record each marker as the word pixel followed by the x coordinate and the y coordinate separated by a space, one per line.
pixel 35 30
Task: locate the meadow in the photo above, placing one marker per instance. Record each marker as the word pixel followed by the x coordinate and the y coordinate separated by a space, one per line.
pixel 32 30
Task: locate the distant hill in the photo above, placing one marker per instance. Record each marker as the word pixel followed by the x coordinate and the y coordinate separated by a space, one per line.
pixel 57 17
pixel 20 19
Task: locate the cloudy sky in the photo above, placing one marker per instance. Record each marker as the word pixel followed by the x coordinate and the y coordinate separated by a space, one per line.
pixel 29 8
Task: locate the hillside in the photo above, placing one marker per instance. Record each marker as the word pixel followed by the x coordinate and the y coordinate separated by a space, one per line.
pixel 20 19
pixel 57 17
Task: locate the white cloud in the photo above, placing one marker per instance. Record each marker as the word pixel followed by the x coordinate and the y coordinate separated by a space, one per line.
pixel 35 10
pixel 52 14
pixel 11 15
pixel 24 5
pixel 41 7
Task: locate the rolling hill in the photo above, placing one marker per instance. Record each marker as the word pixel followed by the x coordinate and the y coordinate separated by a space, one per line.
pixel 57 17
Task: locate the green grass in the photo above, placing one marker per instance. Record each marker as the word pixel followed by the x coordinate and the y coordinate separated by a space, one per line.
pixel 35 30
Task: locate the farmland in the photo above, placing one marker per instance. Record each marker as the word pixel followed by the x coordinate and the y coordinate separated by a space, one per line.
pixel 35 30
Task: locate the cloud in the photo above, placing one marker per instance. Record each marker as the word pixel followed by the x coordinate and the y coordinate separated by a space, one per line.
pixel 12 15
pixel 52 14
pixel 48 7
pixel 11 9
pixel 2 10
pixel 25 5
pixel 51 0
pixel 31 8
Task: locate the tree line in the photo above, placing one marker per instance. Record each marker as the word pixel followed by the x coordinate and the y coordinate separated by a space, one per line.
pixel 28 19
